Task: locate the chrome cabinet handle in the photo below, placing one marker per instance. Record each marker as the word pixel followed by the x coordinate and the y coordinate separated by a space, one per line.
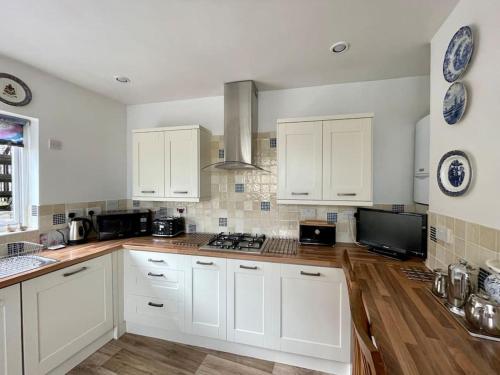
pixel 346 194
pixel 421 169
pixel 180 192
pixel 294 193
pixel 155 304
pixel 310 273
pixel 248 267
pixel 156 260
pixel 67 274
pixel 147 191
pixel 205 263
pixel 155 274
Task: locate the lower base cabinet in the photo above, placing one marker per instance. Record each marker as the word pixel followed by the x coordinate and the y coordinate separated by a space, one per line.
pixel 65 311
pixel 315 318
pixel 11 361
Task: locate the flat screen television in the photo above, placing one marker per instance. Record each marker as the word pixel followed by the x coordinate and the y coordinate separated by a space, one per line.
pixel 398 235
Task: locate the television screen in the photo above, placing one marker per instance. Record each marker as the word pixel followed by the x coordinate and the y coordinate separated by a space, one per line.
pixel 397 234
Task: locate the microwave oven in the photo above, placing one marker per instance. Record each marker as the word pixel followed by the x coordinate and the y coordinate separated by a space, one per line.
pixel 123 224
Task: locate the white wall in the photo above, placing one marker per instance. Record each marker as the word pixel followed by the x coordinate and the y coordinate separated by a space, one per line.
pixel 91 165
pixel 397 103
pixel 479 131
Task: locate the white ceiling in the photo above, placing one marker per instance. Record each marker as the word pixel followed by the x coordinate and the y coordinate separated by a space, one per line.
pixel 174 49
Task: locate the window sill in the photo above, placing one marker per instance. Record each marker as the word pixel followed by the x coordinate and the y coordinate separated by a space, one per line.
pixel 18 232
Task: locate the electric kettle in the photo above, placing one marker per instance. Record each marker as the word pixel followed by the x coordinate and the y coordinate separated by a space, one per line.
pixel 79 229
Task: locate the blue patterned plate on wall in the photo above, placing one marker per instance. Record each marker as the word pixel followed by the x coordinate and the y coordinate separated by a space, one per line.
pixel 454 173
pixel 454 103
pixel 458 54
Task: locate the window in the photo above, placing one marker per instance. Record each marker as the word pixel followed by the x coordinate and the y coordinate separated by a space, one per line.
pixel 13 167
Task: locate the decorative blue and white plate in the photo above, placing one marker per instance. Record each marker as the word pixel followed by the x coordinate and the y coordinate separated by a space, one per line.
pixel 458 54
pixel 454 173
pixel 454 103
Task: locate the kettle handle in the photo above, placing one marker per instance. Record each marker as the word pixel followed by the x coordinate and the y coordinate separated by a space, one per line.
pixel 87 227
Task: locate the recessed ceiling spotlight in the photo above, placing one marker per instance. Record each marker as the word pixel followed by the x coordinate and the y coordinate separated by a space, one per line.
pixel 339 47
pixel 122 79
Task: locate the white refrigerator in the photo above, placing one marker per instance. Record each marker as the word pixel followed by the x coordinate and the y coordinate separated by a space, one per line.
pixel 421 169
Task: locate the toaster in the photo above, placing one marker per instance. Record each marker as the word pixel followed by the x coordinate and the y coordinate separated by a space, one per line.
pixel 317 232
pixel 168 226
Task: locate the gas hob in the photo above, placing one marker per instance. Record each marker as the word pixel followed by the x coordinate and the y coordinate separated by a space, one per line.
pixel 236 242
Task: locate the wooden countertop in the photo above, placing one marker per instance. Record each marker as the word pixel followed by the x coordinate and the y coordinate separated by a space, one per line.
pixel 413 332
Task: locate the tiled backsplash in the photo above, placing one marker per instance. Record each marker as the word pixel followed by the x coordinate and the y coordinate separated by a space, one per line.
pixel 472 242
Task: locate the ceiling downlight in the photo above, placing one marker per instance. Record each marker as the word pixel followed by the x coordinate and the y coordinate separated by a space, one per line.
pixel 339 47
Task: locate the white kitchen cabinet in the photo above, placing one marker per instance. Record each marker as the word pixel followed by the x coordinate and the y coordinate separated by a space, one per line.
pixel 11 361
pixel 325 160
pixel 347 160
pixel 300 160
pixel 148 155
pixel 170 165
pixel 252 303
pixel 314 317
pixel 154 289
pixel 65 311
pixel 206 297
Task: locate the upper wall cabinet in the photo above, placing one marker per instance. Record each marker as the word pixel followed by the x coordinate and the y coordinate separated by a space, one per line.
pixel 326 160
pixel 167 163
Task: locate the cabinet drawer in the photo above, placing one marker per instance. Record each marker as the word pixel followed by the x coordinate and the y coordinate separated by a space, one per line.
pixel 154 282
pixel 155 312
pixel 150 259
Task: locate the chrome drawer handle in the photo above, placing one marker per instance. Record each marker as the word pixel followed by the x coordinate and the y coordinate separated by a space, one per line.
pixel 294 193
pixel 421 169
pixel 346 194
pixel 155 304
pixel 67 274
pixel 156 260
pixel 147 191
pixel 181 192
pixel 155 274
pixel 205 263
pixel 310 273
pixel 248 267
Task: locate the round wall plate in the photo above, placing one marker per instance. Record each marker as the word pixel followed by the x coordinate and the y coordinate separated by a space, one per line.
pixel 13 91
pixel 458 54
pixel 455 103
pixel 454 173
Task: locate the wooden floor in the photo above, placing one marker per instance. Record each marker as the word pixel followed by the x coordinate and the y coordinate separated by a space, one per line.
pixel 133 354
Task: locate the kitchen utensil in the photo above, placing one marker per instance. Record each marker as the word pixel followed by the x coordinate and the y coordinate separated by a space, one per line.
pixel 459 285
pixel 79 229
pixel 492 282
pixel 483 313
pixel 440 285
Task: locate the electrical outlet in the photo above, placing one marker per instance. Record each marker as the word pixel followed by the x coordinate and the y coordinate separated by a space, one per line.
pixel 444 234
pixel 78 212
pixel 179 208
pixel 97 210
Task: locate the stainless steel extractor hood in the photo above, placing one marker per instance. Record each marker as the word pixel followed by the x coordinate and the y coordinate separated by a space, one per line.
pixel 240 123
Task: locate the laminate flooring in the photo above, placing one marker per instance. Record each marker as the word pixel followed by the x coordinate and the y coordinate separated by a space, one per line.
pixel 138 355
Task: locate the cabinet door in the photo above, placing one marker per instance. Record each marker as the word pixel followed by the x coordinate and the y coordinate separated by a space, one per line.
pixel 182 164
pixel 206 297
pixel 300 161
pixel 315 318
pixel 347 160
pixel 422 143
pixel 11 361
pixel 148 164
pixel 252 303
pixel 64 311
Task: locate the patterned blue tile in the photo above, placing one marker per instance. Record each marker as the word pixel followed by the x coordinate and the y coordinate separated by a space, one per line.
pixel 192 228
pixel 331 217
pixel 239 188
pixel 136 204
pixel 34 210
pixel 272 142
pixel 398 208
pixel 221 153
pixel 58 219
pixel 265 206
pixel 222 221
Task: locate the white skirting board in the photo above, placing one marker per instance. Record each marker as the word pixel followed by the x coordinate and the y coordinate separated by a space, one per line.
pixel 337 368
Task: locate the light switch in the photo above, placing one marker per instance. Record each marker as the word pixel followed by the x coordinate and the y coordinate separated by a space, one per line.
pixel 55 144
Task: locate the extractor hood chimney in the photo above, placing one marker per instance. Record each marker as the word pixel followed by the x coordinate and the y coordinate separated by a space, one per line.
pixel 240 123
